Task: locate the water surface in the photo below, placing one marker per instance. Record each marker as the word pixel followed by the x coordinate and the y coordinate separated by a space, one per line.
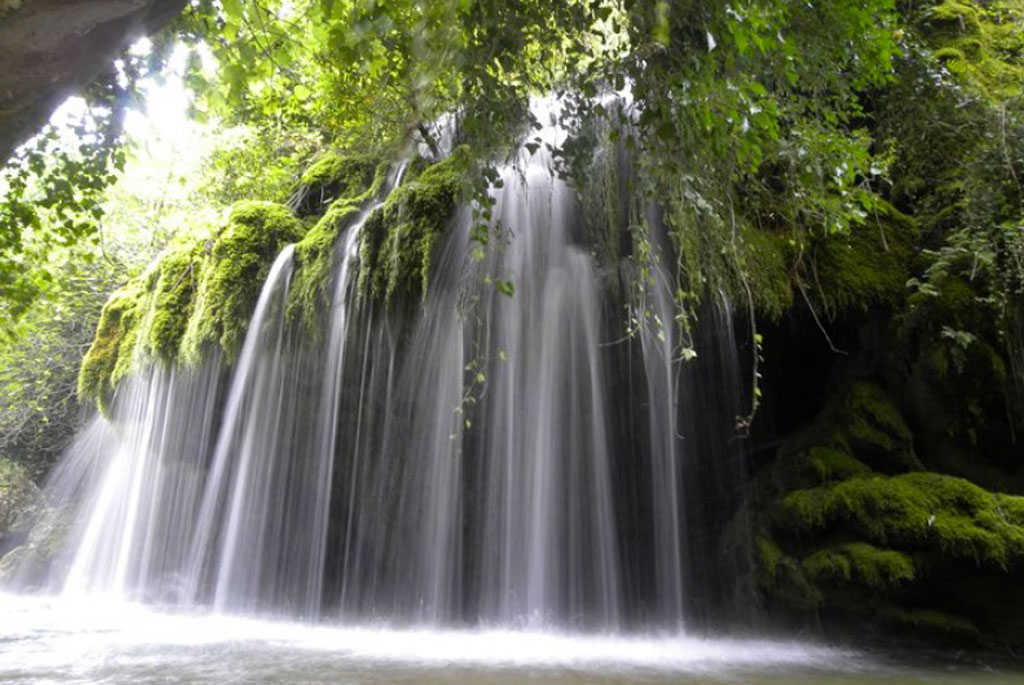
pixel 48 640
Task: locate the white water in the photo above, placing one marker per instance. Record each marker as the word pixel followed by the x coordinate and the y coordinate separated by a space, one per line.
pixel 472 459
pixel 88 640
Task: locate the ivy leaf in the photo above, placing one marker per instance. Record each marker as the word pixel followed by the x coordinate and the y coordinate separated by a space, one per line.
pixel 506 288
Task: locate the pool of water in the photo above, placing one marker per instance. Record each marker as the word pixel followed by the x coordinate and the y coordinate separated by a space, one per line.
pixel 48 640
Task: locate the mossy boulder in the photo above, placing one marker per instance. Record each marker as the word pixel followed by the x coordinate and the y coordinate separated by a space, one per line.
pixel 782 580
pixel 866 267
pixel 875 430
pixel 859 563
pixel 861 430
pixel 957 382
pixel 316 257
pixel 980 42
pixel 888 555
pixel 238 263
pixel 948 519
pixel 398 239
pixel 854 535
pixel 828 464
pixel 196 297
pixel 334 177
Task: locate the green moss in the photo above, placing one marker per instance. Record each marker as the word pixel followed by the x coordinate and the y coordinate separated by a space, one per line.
pixel 334 178
pixel 193 297
pixel 398 240
pixel 981 43
pixel 961 378
pixel 232 277
pixel 315 257
pixel 861 429
pixel 948 301
pixel 144 321
pixel 172 302
pixel 928 512
pixel 874 423
pixel 765 259
pixel 868 266
pixel 782 579
pixel 114 340
pixel 769 556
pixel 829 464
pixel 859 563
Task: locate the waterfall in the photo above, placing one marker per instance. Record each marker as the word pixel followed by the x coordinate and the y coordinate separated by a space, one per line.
pixel 482 458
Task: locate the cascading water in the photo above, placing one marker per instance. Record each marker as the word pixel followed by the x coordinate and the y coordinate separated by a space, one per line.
pixel 483 460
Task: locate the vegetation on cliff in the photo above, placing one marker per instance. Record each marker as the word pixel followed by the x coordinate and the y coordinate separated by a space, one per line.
pixel 194 298
pixel 399 240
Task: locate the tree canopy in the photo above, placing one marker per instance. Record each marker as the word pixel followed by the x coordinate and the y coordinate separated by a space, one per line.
pixel 770 132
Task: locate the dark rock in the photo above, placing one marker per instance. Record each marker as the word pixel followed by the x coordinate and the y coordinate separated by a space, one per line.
pixel 49 49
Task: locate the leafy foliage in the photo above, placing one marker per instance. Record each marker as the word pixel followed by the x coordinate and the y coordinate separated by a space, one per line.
pixel 53 194
pixel 53 190
pixel 39 411
pixel 366 72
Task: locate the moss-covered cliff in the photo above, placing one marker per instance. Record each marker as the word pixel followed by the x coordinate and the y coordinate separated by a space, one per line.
pixel 888 479
pixel 194 298
pixel 200 296
pixel 889 503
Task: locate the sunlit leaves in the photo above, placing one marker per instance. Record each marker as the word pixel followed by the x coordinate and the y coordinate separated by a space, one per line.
pixel 52 193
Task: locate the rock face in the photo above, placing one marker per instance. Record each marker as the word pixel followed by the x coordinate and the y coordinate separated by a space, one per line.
pixel 51 48
pixel 891 506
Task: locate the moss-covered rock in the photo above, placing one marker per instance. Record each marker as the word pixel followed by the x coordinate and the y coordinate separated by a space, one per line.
pixel 194 297
pixel 177 282
pixel 887 556
pixel 855 536
pixel 103 364
pixel 232 277
pixel 957 383
pixel 829 464
pixel 980 42
pixel 868 266
pixel 875 429
pixel 334 178
pixel 766 258
pixel 398 240
pixel 950 518
pixel 781 578
pixel 860 430
pixel 859 563
pixel 316 256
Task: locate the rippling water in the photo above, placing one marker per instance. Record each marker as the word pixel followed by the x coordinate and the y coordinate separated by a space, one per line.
pixel 62 641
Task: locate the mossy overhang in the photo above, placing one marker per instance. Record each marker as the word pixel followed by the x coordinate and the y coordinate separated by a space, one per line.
pixel 195 297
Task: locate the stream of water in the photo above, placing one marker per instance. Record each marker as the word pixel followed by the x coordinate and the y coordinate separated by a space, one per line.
pixel 86 641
